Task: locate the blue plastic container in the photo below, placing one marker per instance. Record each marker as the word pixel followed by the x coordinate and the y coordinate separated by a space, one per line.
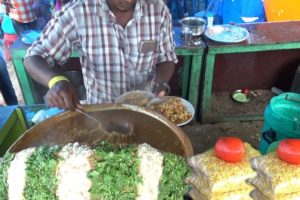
pixel 242 11
pixel 282 120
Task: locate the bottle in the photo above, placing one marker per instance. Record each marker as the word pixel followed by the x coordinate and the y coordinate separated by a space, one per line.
pixel 210 20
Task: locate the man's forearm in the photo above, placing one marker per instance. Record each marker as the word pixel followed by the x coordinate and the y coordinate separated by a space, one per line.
pixel 39 69
pixel 164 71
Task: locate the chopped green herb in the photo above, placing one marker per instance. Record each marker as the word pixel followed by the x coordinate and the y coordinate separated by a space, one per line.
pixel 172 184
pixel 4 165
pixel 41 181
pixel 115 175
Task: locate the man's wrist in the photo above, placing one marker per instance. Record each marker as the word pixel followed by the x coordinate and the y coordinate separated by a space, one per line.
pixel 57 79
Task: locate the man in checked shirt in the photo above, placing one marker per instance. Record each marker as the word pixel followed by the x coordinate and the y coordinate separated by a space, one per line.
pixel 123 44
pixel 22 14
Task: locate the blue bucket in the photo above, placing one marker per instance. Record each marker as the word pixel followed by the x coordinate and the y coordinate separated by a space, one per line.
pixel 242 11
pixel 282 120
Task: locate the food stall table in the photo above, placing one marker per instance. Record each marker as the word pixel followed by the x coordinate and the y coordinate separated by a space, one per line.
pixel 269 57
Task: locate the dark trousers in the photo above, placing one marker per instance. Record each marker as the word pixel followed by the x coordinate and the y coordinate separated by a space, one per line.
pixel 22 27
pixel 6 87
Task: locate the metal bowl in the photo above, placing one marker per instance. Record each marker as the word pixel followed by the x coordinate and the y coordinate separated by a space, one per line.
pixel 194 25
pixel 138 125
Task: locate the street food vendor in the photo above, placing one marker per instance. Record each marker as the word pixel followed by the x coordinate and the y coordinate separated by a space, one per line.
pixel 123 44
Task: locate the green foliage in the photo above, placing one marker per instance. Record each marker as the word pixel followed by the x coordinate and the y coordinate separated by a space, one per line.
pixel 115 176
pixel 4 165
pixel 41 181
pixel 172 184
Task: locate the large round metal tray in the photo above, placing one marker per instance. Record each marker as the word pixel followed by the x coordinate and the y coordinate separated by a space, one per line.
pixel 138 125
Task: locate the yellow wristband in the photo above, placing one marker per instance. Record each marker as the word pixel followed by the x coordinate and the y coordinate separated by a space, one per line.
pixel 56 79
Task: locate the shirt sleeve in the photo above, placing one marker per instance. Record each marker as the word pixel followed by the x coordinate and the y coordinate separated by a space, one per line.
pixel 58 38
pixel 166 44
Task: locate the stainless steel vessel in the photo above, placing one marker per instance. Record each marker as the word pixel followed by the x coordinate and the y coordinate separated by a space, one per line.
pixel 194 25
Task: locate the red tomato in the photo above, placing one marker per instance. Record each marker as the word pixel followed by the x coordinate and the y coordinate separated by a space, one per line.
pixel 246 91
pixel 230 149
pixel 289 150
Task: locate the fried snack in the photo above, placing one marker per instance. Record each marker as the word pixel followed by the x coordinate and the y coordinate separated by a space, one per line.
pixel 257 195
pixel 275 177
pixel 173 109
pixel 214 176
pixel 239 194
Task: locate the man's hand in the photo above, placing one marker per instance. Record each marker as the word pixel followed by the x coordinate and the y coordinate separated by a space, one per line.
pixel 63 96
pixel 161 89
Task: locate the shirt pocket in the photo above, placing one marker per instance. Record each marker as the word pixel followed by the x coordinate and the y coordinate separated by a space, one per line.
pixel 141 69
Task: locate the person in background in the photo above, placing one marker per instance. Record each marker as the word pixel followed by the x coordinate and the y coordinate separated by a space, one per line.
pixel 22 14
pixel 6 87
pixel 9 35
pixel 178 9
pixel 123 45
pixel 43 11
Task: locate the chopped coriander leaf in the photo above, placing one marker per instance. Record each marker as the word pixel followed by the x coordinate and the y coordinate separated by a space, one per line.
pixel 115 175
pixel 172 184
pixel 4 165
pixel 41 181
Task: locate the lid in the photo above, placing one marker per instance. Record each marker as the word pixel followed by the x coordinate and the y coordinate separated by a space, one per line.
pixel 287 106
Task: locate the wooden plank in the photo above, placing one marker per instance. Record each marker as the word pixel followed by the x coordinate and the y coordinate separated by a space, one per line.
pixel 186 76
pixel 254 48
pixel 24 81
pixel 242 118
pixel 208 79
pixel 189 51
pixel 23 126
pixel 195 79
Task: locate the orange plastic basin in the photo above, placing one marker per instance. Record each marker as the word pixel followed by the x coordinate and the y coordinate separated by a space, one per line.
pixel 282 10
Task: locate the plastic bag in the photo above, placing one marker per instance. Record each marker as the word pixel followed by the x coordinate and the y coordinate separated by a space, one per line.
pixel 257 195
pixel 275 177
pixel 45 114
pixel 7 25
pixel 214 175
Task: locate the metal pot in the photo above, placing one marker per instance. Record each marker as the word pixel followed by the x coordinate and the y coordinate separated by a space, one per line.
pixel 137 125
pixel 194 25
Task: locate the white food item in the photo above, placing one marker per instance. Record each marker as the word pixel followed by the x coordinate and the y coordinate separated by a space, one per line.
pixel 16 178
pixel 73 183
pixel 151 168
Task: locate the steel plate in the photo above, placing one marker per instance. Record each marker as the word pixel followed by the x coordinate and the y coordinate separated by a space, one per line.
pixel 227 33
